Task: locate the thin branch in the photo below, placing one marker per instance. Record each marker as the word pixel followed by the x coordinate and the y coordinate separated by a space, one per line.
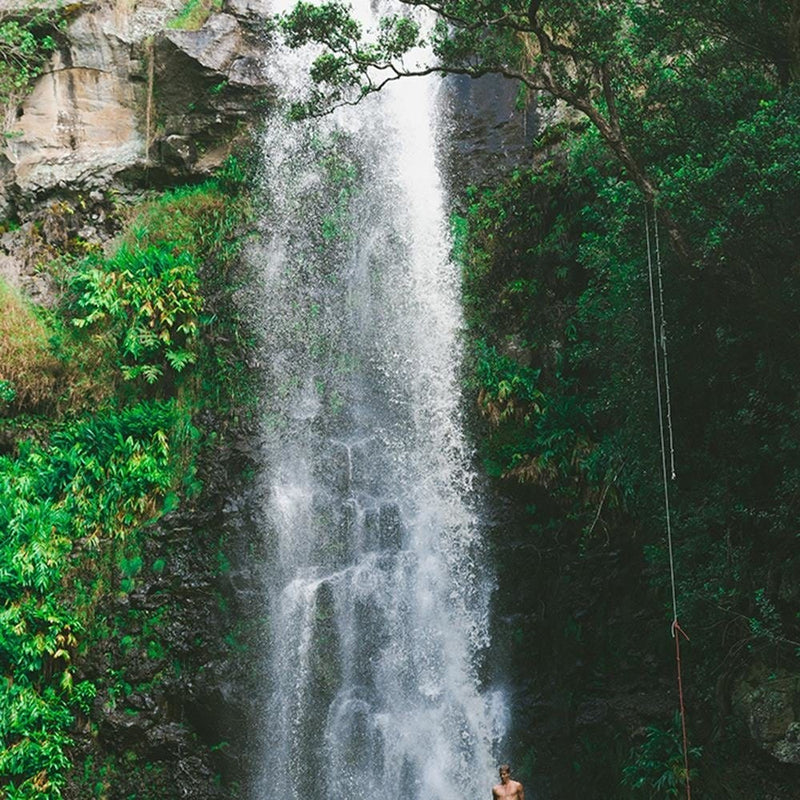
pixel 398 73
pixel 608 485
pixel 504 21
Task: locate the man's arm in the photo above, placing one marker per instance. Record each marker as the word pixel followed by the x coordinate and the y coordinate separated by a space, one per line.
pixel 520 792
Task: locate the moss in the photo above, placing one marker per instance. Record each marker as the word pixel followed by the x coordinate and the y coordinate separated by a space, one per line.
pixel 194 14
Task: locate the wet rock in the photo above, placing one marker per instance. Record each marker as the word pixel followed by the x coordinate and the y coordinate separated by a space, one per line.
pixel 490 132
pixel 178 151
pixel 64 223
pixel 20 251
pixel 211 83
pixel 493 127
pixel 124 728
pixel 168 740
pixel 593 712
pixel 768 702
pixel 390 527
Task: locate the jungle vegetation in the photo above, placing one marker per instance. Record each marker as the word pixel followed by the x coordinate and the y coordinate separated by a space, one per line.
pixel 100 398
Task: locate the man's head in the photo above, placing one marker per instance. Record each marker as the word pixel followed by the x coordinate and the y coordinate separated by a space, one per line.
pixel 505 773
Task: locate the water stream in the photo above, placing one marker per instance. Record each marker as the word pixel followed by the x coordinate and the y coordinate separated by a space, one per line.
pixel 378 584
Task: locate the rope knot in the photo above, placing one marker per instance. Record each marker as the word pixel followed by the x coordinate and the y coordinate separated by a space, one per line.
pixel 676 628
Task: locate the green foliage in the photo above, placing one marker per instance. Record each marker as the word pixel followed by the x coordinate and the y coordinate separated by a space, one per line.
pixel 26 42
pixel 341 173
pixel 656 769
pixel 203 222
pixel 345 71
pixel 554 261
pixel 83 696
pixel 194 14
pixel 141 310
pixel 538 293
pixel 33 729
pixel 7 392
pixel 608 62
pixel 78 491
pixel 97 478
pixel 149 300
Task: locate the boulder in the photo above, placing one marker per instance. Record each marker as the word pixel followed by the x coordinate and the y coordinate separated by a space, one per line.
pixel 768 703
pixel 221 45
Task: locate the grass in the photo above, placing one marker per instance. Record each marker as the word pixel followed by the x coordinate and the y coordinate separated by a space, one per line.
pixel 194 14
pixel 29 372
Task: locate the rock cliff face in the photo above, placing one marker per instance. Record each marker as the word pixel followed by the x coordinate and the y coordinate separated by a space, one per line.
pixel 493 128
pixel 126 101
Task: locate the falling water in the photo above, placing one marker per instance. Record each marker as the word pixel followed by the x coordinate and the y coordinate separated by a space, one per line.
pixel 378 586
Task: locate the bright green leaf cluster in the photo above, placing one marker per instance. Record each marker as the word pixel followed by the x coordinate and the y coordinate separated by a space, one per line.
pixel 150 300
pixel 97 480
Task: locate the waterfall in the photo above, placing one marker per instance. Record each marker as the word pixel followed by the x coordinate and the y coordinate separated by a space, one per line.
pixel 377 581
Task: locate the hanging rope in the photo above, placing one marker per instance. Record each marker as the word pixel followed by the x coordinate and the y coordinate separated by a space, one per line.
pixel 664 401
pixel 659 393
pixel 663 341
pixel 677 632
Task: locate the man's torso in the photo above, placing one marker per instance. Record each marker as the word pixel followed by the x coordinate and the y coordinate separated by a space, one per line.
pixel 508 791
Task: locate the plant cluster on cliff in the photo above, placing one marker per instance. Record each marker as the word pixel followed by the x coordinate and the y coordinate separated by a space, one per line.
pixel 98 400
pixel 27 38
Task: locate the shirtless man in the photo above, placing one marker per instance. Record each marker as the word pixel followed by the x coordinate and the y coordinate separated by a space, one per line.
pixel 508 789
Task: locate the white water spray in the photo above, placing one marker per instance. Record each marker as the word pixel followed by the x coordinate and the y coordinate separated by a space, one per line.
pixel 378 589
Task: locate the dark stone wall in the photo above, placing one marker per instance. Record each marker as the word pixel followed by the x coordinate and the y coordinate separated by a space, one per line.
pixel 491 127
pixel 179 674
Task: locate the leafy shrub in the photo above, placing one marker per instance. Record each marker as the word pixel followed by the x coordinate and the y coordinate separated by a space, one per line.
pixel 656 768
pixel 35 725
pixel 97 480
pixel 150 300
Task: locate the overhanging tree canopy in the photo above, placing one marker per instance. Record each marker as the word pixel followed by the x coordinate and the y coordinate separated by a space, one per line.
pixel 599 57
